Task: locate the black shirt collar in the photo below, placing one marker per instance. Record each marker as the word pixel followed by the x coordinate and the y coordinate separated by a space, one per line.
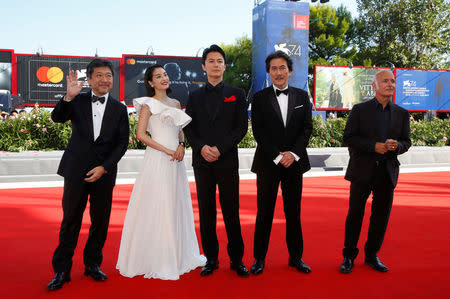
pixel 210 87
pixel 379 107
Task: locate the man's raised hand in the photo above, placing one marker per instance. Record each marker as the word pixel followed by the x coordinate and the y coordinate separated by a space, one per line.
pixel 73 88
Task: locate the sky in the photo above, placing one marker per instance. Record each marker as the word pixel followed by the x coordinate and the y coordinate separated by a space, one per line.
pixel 112 28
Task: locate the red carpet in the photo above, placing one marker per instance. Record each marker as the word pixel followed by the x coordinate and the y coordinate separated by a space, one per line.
pixel 416 248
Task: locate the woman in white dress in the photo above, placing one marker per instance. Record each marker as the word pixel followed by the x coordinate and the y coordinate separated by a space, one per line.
pixel 158 236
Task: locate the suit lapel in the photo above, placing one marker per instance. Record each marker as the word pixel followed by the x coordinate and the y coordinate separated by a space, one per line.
pixel 273 100
pixel 291 105
pixel 87 107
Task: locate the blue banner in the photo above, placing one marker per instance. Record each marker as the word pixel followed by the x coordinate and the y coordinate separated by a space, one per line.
pixel 280 25
pixel 423 89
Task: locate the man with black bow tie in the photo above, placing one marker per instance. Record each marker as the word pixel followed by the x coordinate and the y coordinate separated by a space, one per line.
pixel 99 139
pixel 282 126
pixel 219 122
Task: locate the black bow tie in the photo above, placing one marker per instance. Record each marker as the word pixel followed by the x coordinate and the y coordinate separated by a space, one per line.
pixel 285 91
pixel 96 98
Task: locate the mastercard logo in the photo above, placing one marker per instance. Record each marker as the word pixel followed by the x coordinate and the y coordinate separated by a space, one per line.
pixel 131 61
pixel 49 74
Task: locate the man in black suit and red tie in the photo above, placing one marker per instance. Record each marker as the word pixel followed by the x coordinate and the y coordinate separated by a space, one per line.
pixel 99 139
pixel 282 126
pixel 377 131
pixel 219 122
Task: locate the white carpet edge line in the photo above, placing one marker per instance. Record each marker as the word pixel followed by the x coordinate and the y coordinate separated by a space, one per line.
pixel 252 176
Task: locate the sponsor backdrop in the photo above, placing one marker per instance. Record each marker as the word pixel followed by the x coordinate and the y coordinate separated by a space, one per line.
pixel 5 70
pixel 423 89
pixel 185 74
pixel 42 79
pixel 339 88
pixel 280 25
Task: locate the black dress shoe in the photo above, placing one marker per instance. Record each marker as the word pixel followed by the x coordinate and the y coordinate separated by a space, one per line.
pixel 257 267
pixel 346 266
pixel 209 267
pixel 375 263
pixel 239 268
pixel 300 265
pixel 58 280
pixel 96 273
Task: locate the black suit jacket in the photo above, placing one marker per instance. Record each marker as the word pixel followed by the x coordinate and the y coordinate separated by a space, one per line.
pixel 360 136
pixel 82 152
pixel 271 134
pixel 225 127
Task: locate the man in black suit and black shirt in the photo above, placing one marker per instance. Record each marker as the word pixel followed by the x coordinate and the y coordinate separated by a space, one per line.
pixel 89 166
pixel 219 122
pixel 282 126
pixel 376 132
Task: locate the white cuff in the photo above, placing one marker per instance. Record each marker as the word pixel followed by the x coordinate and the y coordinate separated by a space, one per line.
pixel 277 159
pixel 295 156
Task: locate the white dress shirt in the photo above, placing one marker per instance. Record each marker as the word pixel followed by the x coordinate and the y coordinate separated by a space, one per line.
pixel 98 109
pixel 283 101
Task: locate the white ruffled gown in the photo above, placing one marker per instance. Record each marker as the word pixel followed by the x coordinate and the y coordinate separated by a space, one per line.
pixel 158 236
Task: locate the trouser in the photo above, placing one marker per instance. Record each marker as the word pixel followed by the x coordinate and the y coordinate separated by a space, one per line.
pixel 74 202
pixel 227 180
pixel 383 194
pixel 267 189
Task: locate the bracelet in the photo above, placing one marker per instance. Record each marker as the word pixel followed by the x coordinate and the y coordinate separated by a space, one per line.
pixel 182 143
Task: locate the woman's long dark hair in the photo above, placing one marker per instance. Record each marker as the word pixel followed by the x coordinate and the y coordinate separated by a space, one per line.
pixel 149 77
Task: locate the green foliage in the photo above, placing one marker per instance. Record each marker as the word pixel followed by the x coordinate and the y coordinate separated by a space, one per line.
pixel 408 33
pixel 327 133
pixel 33 132
pixel 239 63
pixel 430 133
pixel 39 132
pixel 134 143
pixel 331 35
pixel 248 141
pixel 330 32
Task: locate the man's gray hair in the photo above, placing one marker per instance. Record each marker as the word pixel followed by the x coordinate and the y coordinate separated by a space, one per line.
pixel 374 79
